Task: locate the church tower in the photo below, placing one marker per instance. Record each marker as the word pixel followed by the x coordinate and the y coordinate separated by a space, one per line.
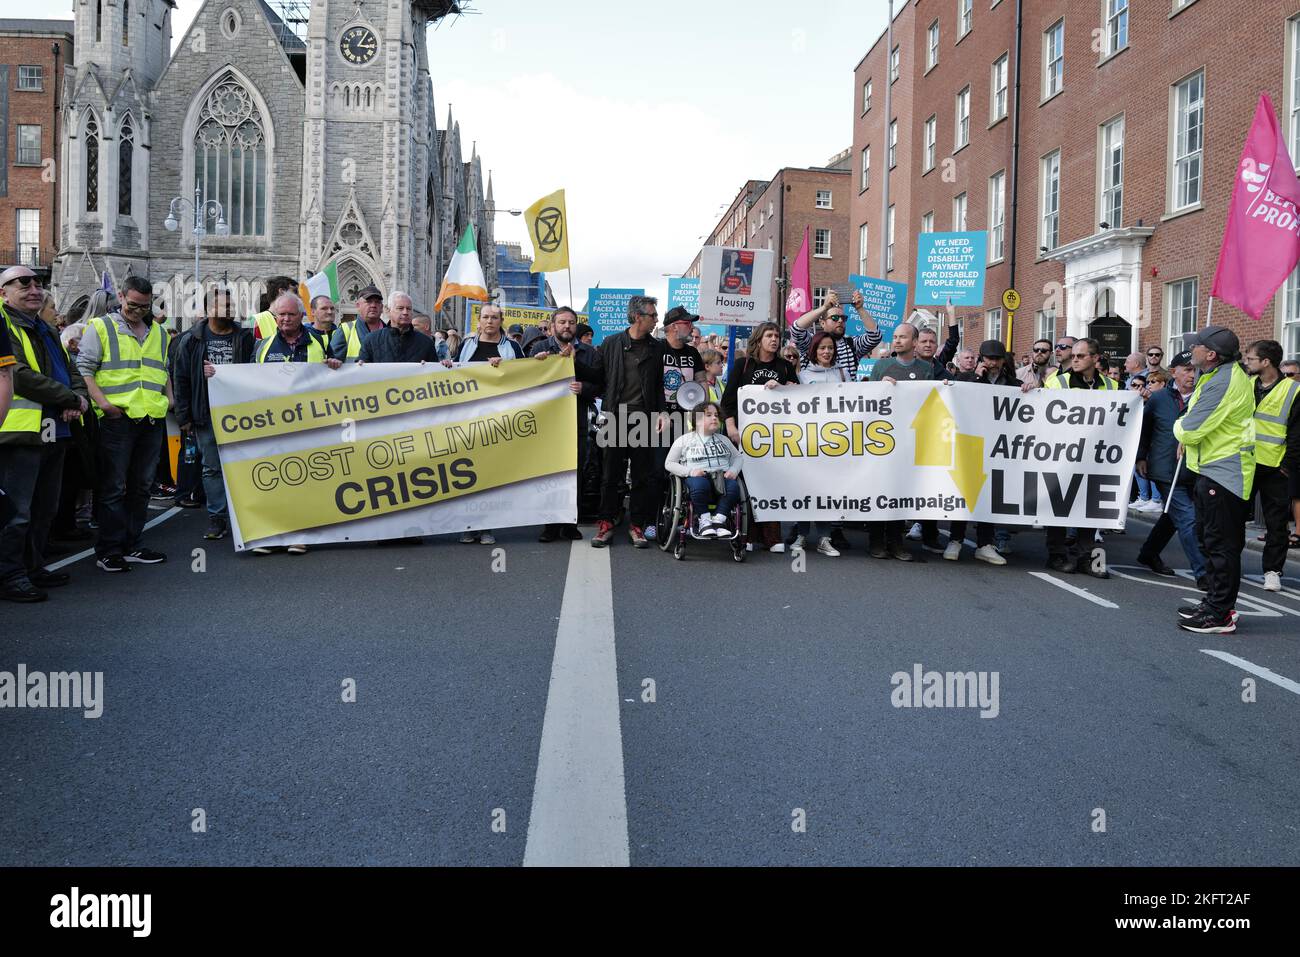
pixel 367 145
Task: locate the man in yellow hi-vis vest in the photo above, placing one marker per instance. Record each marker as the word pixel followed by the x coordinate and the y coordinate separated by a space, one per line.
pixel 264 322
pixel 1217 435
pixel 1277 450
pixel 48 396
pixel 123 357
pixel 346 341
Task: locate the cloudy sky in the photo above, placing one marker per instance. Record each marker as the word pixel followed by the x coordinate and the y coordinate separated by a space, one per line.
pixel 650 116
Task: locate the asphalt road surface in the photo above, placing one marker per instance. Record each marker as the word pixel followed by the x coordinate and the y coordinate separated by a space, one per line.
pixel 555 703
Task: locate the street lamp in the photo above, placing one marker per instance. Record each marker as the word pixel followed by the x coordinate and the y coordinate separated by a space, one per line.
pixel 202 212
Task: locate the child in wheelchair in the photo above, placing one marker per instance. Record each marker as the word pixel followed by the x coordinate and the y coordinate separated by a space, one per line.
pixel 709 463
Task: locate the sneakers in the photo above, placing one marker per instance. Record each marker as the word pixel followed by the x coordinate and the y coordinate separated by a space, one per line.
pixel 878 551
pixel 468 538
pixel 778 548
pixel 637 534
pixel 901 553
pixel 825 547
pixel 216 529
pixel 1157 565
pixel 262 550
pixel 297 549
pixel 1191 611
pixel 706 526
pixel 487 538
pixel 113 563
pixel 987 553
pixel 953 551
pixel 1272 581
pixel 1002 542
pixel 145 556
pixel 914 533
pixel 21 590
pixel 796 547
pixel 604 532
pixel 1206 622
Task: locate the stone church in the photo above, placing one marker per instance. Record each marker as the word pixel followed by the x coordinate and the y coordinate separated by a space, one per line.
pixel 320 144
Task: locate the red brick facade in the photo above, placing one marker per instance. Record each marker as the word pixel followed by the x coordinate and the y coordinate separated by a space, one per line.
pixel 1238 50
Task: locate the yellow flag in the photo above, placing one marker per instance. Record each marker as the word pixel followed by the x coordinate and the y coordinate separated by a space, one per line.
pixel 548 225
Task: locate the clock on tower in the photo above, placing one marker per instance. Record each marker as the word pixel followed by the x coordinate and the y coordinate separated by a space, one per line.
pixel 358 45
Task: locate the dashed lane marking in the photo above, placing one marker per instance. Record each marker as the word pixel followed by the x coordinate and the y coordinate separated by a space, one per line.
pixel 1074 589
pixel 1258 670
pixel 64 562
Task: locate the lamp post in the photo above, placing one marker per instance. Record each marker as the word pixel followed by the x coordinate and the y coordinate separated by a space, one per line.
pixel 203 211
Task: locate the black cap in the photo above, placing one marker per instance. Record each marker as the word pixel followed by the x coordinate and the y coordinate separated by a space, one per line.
pixel 370 292
pixel 679 314
pixel 1183 358
pixel 516 330
pixel 1221 340
pixel 992 349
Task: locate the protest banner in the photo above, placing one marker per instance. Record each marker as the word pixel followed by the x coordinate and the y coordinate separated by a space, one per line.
pixel 877 452
pixel 510 314
pixel 951 266
pixel 885 301
pixel 389 450
pixel 686 293
pixel 736 285
pixel 608 311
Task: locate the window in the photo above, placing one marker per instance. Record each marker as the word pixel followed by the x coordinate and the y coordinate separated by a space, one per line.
pixel 932 46
pixel 230 156
pixel 824 199
pixel 894 62
pixel 1189 119
pixel 99 19
pixel 1291 316
pixel 1180 313
pixel 997 214
pixel 927 222
pixel 1053 59
pixel 862 250
pixel 1116 26
pixel 993 324
pixel 866 96
pixel 28 146
pixel 962 135
pixel 822 243
pixel 1049 233
pixel 126 23
pixel 92 165
pixel 866 167
pixel 771 209
pixel 927 157
pixel 125 157
pixel 893 143
pixel 1112 172
pixel 1045 324
pixel 964 15
pixel 762 218
pixel 819 295
pixel 998 93
pixel 959 213
pixel 889 240
pixel 29 237
pixel 31 78
pixel 1294 64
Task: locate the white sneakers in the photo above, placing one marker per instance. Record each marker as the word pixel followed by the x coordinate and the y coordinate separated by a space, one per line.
pixel 988 554
pixel 706 526
pixel 796 547
pixel 1272 581
pixel 914 533
pixel 1147 505
pixel 953 551
pixel 826 548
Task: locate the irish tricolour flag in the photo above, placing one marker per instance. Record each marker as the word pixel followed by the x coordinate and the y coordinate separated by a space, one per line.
pixel 323 283
pixel 465 274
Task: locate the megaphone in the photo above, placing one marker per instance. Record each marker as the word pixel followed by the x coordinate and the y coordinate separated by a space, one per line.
pixel 690 395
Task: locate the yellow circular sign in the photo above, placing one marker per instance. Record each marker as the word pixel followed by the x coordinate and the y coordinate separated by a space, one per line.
pixel 1011 300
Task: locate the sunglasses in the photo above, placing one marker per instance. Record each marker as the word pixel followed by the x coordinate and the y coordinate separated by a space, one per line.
pixel 1063 345
pixel 136 305
pixel 1042 350
pixel 1154 355
pixel 25 281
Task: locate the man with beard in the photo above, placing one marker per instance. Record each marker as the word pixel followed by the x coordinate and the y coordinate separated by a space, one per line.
pixel 849 350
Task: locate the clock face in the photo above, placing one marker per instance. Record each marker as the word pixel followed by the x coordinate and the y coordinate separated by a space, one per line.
pixel 358 45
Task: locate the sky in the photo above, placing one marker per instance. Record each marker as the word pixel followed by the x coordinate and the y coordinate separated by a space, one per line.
pixel 650 116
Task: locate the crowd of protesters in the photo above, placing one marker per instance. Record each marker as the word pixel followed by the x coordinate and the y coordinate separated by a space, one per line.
pixel 83 411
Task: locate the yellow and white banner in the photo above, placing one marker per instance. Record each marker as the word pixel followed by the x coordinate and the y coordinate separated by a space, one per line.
pixel 377 451
pixel 928 450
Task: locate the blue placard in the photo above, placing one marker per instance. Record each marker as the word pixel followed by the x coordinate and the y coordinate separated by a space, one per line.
pixel 686 293
pixel 608 311
pixel 951 265
pixel 885 300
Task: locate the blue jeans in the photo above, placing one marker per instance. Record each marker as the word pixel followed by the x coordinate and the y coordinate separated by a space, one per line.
pixel 702 492
pixel 214 486
pixel 1180 518
pixel 1147 490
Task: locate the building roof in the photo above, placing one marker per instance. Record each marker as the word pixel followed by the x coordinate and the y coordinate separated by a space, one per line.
pixel 38 27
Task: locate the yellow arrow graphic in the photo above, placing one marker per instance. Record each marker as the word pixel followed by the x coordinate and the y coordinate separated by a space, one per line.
pixel 968 474
pixel 934 428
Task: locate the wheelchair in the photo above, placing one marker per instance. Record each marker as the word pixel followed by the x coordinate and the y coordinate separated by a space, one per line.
pixel 678 524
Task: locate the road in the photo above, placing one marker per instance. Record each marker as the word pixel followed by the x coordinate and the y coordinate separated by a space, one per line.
pixel 559 704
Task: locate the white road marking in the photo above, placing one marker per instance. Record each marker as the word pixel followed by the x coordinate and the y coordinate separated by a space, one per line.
pixel 1247 605
pixel 1081 592
pixel 1254 669
pixel 64 562
pixel 579 815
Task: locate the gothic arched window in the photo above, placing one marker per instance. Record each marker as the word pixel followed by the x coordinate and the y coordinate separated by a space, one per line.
pixel 125 155
pixel 126 22
pixel 92 165
pixel 230 156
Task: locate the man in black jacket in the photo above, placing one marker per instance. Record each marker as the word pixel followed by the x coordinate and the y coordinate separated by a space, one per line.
pixel 399 341
pixel 204 346
pixel 631 371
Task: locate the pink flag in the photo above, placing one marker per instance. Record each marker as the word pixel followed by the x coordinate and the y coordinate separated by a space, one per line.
pixel 1261 242
pixel 799 299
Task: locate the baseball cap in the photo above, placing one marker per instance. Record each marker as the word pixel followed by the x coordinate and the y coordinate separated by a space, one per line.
pixel 678 314
pixel 515 330
pixel 1221 340
pixel 370 292
pixel 992 349
pixel 1183 358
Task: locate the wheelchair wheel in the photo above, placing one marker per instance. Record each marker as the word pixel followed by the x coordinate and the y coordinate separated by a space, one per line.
pixel 679 548
pixel 745 517
pixel 668 528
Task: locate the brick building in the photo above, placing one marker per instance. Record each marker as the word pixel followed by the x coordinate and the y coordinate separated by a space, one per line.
pixel 31 77
pixel 1132 119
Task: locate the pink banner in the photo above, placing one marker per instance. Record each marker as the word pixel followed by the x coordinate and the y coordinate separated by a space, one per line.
pixel 799 299
pixel 1261 242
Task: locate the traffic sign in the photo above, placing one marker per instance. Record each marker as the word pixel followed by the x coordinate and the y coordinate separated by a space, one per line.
pixel 1011 300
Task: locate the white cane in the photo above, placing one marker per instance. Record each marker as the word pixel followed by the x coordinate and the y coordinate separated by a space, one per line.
pixel 1172 485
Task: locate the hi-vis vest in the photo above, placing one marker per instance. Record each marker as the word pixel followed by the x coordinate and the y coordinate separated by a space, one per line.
pixel 353 339
pixel 1054 381
pixel 315 351
pixel 1271 416
pixel 1218 429
pixel 24 414
pixel 132 376
pixel 265 322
